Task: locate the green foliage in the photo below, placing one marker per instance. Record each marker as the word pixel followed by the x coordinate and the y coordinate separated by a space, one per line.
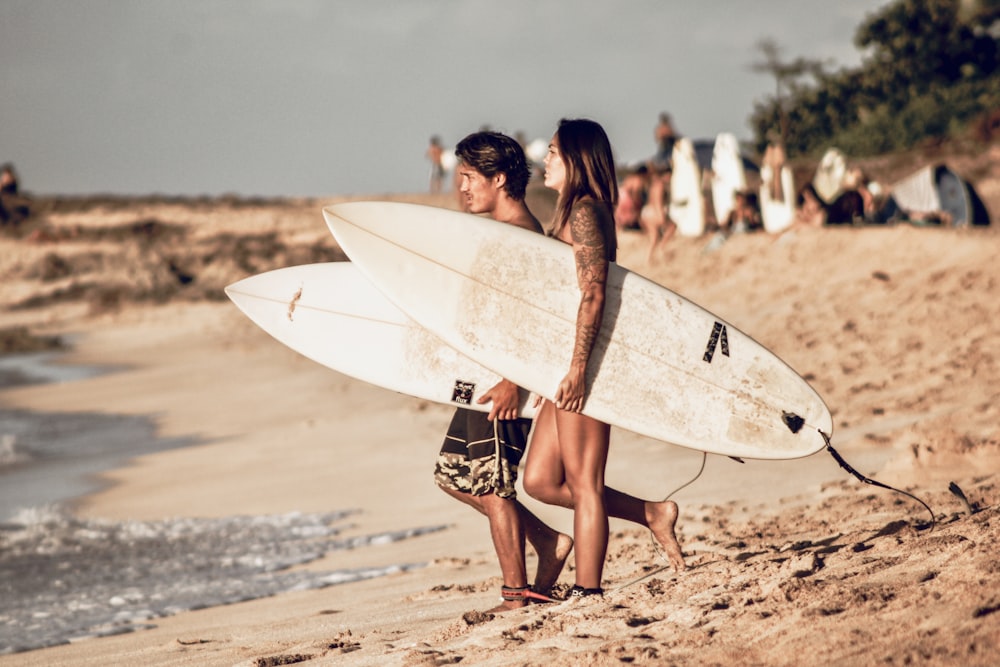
pixel 938 113
pixel 931 67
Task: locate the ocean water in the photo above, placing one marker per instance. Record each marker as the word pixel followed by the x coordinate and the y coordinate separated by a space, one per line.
pixel 52 458
pixel 64 579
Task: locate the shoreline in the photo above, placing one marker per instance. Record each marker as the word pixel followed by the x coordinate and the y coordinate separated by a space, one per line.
pixel 49 460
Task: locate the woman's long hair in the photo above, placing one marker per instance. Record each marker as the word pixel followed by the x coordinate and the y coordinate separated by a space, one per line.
pixel 590 167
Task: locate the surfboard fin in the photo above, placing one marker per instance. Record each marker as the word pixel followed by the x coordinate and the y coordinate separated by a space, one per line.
pixel 957 490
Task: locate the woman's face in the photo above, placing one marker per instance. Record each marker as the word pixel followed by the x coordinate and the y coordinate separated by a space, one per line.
pixel 555 168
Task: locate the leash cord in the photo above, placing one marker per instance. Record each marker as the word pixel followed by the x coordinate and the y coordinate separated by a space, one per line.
pixel 704 457
pixel 836 456
pixel 652 537
pixel 867 480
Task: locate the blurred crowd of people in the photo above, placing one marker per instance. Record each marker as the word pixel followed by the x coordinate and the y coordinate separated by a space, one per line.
pixel 767 198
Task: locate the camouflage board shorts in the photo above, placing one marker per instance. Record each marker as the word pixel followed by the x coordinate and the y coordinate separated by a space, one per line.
pixel 479 456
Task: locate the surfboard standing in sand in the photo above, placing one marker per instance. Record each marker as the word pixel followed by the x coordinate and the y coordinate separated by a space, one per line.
pixel 687 201
pixel 728 175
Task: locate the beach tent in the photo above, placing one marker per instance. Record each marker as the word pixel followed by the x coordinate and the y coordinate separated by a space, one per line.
pixel 937 189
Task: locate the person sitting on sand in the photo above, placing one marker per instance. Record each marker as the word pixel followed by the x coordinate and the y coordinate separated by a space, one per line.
pixel 810 210
pixel 13 206
pixel 633 192
pixel 8 180
pixel 878 207
pixel 744 216
pixel 847 208
pixel 479 458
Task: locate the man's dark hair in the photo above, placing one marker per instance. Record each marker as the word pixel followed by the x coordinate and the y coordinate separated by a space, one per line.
pixel 492 153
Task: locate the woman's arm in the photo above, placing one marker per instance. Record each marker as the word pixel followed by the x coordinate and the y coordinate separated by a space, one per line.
pixel 590 253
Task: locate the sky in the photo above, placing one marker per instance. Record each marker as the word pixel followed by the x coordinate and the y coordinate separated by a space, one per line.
pixel 316 98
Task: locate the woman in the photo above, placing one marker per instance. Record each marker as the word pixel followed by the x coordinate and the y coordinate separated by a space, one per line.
pixel 811 210
pixel 655 216
pixel 632 194
pixel 568 453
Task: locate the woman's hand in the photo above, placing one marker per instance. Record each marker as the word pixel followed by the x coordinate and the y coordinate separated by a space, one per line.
pixel 571 392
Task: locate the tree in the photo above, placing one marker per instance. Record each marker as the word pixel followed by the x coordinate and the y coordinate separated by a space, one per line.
pixel 785 74
pixel 919 44
pixel 931 67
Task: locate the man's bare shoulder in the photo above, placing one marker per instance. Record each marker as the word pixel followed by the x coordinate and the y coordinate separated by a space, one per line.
pixel 526 219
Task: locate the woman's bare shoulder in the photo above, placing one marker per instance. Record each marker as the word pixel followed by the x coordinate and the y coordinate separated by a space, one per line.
pixel 589 210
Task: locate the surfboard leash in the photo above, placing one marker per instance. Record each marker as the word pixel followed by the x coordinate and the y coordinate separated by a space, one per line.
pixel 795 423
pixel 868 480
pixel 704 457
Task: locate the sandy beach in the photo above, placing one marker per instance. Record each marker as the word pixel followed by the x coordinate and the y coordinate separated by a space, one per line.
pixel 789 562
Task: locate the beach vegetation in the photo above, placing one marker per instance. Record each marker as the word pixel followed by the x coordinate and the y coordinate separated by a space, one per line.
pixel 930 71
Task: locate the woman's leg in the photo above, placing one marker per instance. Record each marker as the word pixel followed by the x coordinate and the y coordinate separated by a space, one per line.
pixel 544 478
pixel 660 517
pixel 584 444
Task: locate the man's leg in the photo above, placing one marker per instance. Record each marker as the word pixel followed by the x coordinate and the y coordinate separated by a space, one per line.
pixel 551 546
pixel 511 524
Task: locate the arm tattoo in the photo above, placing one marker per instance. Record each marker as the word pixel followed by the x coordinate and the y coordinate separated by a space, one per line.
pixel 590 250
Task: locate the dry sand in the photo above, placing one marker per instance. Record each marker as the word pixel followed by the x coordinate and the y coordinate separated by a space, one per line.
pixel 791 562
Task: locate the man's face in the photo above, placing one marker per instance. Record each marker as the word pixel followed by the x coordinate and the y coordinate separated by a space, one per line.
pixel 479 191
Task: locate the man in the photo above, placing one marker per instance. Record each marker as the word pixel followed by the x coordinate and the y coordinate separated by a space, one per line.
pixel 435 153
pixel 479 458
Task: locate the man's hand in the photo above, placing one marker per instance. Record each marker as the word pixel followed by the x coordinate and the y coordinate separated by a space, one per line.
pixel 505 397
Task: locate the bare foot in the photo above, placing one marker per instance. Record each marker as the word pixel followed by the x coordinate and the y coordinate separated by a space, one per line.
pixel 551 562
pixel 507 605
pixel 662 517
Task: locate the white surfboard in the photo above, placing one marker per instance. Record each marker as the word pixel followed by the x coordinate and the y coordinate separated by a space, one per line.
pixel 333 315
pixel 777 213
pixel 829 177
pixel 536 151
pixel 662 366
pixel 449 160
pixel 728 175
pixel 687 201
